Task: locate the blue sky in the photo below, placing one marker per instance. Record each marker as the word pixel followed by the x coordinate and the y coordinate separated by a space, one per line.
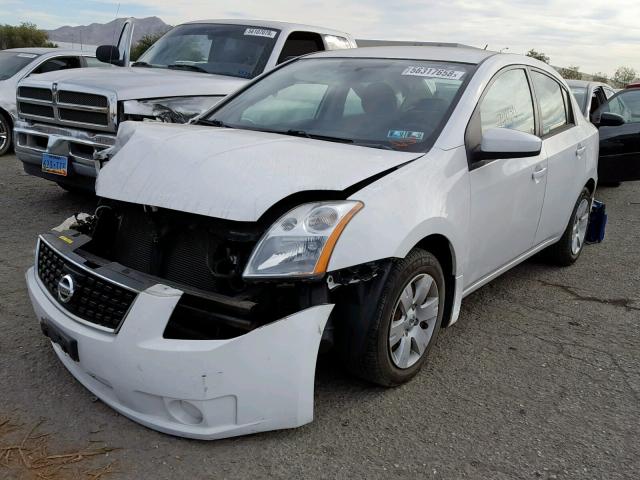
pixel 593 35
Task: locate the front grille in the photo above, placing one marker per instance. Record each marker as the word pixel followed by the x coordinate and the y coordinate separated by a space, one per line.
pixel 36 110
pixel 35 93
pixel 95 300
pixel 80 98
pixel 66 107
pixel 79 116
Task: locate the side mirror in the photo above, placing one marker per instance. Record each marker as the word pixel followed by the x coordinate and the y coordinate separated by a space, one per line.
pixel 608 119
pixel 109 54
pixel 507 143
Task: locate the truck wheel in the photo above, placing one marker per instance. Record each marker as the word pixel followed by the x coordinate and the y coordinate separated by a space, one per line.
pixel 406 322
pixel 567 250
pixel 5 134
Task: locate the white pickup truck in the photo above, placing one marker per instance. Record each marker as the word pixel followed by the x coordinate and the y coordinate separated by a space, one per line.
pixel 66 117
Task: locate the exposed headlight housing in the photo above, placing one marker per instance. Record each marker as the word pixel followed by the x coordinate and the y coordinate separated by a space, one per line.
pixel 169 110
pixel 300 243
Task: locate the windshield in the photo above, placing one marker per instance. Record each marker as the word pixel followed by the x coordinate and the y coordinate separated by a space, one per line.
pixel 581 96
pixel 12 62
pixel 380 103
pixel 234 50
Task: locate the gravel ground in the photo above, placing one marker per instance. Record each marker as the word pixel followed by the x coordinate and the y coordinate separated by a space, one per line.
pixel 540 378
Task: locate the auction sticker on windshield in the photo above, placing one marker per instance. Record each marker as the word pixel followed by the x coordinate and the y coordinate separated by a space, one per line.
pixel 260 32
pixel 431 72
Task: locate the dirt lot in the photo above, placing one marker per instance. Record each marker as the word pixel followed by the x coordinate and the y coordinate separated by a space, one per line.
pixel 540 378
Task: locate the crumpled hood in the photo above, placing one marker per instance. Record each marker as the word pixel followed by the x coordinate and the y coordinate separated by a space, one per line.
pixel 230 174
pixel 133 83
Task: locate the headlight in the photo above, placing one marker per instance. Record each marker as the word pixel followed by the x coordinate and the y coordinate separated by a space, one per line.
pixel 170 110
pixel 300 243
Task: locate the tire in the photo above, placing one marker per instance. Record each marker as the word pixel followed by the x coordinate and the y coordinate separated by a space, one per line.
pixel 382 360
pixel 564 253
pixel 5 134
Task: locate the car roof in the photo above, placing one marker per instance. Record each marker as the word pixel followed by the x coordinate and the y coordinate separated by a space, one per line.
pixel 283 26
pixel 586 83
pixel 44 51
pixel 449 54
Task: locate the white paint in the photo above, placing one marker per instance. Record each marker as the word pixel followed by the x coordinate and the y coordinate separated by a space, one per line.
pixel 260 381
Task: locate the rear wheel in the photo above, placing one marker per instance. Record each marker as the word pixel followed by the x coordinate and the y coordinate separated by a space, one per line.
pixel 5 134
pixel 567 250
pixel 407 321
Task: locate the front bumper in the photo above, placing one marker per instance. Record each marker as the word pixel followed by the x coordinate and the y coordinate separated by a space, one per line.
pixel 263 380
pixel 31 140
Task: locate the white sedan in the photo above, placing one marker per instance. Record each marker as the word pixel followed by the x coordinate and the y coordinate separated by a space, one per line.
pixel 348 198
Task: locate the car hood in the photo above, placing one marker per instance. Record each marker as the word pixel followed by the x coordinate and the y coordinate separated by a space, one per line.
pixel 227 173
pixel 133 83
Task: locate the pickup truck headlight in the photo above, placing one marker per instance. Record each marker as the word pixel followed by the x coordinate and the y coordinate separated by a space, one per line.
pixel 300 243
pixel 170 110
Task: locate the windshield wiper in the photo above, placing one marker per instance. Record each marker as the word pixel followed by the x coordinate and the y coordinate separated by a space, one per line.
pixel 193 68
pixel 213 123
pixel 141 64
pixel 302 133
pixel 381 146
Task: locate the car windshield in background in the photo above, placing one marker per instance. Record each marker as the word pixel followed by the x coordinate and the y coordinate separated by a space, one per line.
pixel 12 62
pixel 234 50
pixel 581 96
pixel 381 103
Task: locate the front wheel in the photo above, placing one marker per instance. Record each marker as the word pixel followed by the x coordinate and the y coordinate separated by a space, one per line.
pixel 406 323
pixel 567 250
pixel 5 134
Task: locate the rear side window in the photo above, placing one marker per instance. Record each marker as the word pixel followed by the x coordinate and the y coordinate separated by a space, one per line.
pixel 300 43
pixel 553 109
pixel 59 63
pixel 508 103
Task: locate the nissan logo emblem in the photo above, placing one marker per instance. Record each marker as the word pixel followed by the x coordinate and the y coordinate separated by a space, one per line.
pixel 66 288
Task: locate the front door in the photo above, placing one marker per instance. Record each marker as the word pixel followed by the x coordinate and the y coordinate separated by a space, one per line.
pixel 506 194
pixel 620 145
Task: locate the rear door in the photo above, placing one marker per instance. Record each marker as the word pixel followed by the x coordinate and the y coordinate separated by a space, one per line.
pixel 620 145
pixel 506 194
pixel 566 150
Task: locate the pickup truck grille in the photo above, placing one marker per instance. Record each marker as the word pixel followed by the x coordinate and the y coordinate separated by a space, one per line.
pixel 91 111
pixel 96 300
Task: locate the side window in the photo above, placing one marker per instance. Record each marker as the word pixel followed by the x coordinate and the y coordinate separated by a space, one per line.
pixel 336 43
pixel 626 104
pixel 58 63
pixel 508 103
pixel 608 92
pixel 293 104
pixel 552 102
pixel 300 43
pixel 93 62
pixel 352 104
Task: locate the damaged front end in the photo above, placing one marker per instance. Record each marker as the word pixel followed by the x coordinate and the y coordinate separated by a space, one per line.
pixel 162 325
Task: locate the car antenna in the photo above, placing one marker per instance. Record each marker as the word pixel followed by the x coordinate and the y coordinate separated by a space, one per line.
pixel 113 39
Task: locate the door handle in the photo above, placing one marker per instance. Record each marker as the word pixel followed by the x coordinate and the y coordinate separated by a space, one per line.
pixel 538 173
pixel 580 150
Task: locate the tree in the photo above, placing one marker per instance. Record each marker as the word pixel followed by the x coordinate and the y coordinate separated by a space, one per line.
pixel 144 44
pixel 623 76
pixel 23 35
pixel 538 56
pixel 571 73
pixel 600 77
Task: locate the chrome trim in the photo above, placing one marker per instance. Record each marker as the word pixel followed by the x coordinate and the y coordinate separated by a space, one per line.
pixel 73 136
pixel 111 111
pixel 91 272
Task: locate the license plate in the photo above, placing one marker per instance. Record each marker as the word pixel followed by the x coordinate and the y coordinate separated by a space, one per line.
pixel 55 164
pixel 64 341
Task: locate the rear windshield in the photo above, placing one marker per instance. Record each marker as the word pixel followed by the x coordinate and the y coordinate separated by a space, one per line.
pixel 380 103
pixel 12 62
pixel 234 50
pixel 581 96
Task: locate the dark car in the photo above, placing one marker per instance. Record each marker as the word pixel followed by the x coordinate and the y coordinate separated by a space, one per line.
pixel 590 95
pixel 619 123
